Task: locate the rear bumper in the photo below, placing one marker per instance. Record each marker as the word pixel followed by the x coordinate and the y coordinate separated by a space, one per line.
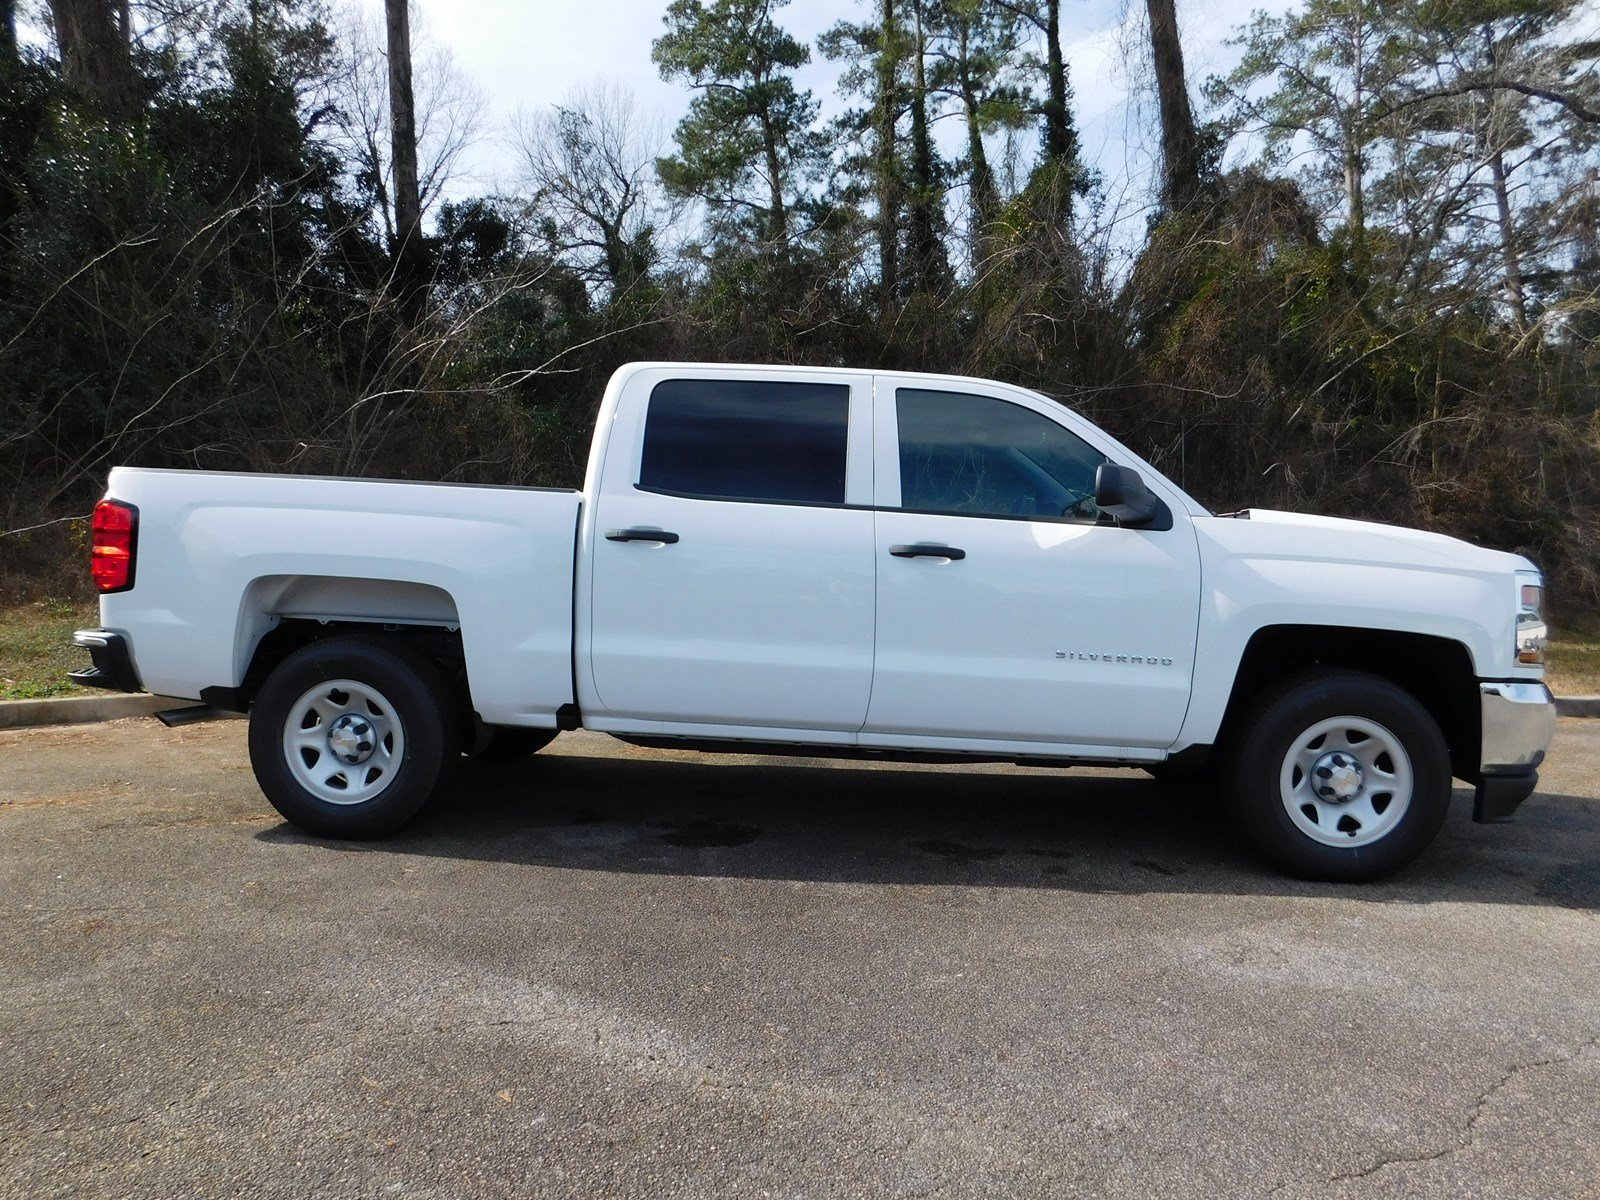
pixel 113 663
pixel 1519 719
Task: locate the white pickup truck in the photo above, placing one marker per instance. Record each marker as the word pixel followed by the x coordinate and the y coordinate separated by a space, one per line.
pixel 825 561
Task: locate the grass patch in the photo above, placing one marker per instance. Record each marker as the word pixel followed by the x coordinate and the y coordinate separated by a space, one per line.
pixel 36 649
pixel 1574 658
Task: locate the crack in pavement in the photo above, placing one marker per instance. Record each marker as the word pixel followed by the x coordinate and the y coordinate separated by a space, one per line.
pixel 1468 1133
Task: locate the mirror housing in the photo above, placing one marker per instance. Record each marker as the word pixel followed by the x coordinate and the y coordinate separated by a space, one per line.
pixel 1121 492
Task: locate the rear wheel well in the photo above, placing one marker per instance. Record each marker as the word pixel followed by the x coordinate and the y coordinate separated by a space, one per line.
pixel 438 643
pixel 1436 670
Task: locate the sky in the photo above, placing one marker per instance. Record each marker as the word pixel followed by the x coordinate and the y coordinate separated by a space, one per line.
pixel 524 55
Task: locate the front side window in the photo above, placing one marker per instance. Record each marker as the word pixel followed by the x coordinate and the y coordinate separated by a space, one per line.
pixel 746 440
pixel 980 456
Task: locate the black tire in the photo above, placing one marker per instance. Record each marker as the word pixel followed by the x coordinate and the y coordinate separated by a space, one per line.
pixel 1268 731
pixel 502 743
pixel 422 705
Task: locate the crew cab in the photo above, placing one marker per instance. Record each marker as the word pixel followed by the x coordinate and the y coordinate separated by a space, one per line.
pixel 788 560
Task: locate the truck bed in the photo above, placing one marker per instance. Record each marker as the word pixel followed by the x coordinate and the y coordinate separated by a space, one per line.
pixel 225 557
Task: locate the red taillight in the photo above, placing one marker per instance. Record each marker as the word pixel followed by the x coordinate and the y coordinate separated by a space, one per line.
pixel 116 530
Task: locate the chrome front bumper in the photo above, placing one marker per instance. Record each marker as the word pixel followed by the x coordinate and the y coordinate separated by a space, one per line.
pixel 1519 719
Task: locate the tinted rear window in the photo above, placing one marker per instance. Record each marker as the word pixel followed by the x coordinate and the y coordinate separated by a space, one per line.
pixel 741 440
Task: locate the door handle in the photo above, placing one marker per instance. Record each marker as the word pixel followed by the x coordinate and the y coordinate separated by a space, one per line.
pixel 927 550
pixel 638 534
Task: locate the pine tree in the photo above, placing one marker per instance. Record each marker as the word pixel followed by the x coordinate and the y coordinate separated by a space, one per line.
pixel 748 144
pixel 976 51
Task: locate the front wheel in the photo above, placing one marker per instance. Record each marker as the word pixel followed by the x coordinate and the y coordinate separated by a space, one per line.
pixel 351 736
pixel 1339 775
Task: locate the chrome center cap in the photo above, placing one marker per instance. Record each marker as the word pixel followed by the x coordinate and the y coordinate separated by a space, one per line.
pixel 1337 777
pixel 351 738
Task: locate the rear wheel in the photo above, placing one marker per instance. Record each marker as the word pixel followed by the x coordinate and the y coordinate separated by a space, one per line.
pixel 351 736
pixel 1339 775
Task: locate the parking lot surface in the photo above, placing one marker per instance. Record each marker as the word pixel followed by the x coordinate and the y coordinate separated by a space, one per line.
pixel 616 972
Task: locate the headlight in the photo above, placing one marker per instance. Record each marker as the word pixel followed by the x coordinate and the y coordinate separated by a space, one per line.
pixel 1531 631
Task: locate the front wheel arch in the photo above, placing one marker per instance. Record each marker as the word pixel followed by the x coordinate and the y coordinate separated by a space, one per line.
pixel 1437 671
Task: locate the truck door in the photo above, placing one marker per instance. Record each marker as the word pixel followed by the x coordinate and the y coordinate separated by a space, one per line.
pixel 733 582
pixel 1045 622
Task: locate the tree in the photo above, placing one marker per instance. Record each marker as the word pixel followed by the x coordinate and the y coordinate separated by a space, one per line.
pixel 588 166
pixel 887 63
pixel 94 38
pixel 447 106
pixel 1332 67
pixel 976 46
pixel 925 251
pixel 409 251
pixel 890 50
pixel 1578 297
pixel 1058 137
pixel 1181 158
pixel 748 144
pixel 1514 154
pixel 13 135
pixel 1455 126
pixel 874 54
pixel 1060 142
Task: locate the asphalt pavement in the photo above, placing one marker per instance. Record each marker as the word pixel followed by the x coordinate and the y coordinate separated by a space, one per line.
pixel 617 972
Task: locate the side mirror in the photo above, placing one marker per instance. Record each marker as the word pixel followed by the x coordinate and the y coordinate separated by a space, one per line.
pixel 1122 493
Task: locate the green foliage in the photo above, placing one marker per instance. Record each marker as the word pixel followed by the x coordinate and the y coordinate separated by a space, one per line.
pixel 1388 307
pixel 204 286
pixel 747 146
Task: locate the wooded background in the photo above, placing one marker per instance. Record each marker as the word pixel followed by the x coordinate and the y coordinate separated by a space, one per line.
pixel 1365 282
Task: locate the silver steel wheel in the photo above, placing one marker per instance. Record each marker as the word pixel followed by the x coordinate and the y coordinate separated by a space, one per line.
pixel 1346 781
pixel 343 741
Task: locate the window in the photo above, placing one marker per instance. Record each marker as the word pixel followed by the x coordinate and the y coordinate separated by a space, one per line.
pixel 741 440
pixel 985 457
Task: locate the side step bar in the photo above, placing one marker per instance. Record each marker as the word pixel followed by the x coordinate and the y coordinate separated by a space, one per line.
pixel 192 715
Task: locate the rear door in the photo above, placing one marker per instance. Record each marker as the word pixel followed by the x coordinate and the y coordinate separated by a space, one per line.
pixel 733 581
pixel 1045 622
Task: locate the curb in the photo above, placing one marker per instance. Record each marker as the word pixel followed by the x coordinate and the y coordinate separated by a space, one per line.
pixel 80 710
pixel 1578 706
